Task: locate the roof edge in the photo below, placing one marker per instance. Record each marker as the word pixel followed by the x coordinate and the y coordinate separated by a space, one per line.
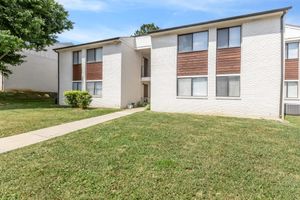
pixel 88 43
pixel 293 25
pixel 284 9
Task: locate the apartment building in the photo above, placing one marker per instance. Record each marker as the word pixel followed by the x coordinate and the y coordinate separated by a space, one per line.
pixel 233 66
pixel 292 70
pixel 39 72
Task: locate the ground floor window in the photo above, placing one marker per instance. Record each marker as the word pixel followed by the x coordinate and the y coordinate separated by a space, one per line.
pixel 76 86
pixel 94 88
pixel 228 86
pixel 192 86
pixel 291 89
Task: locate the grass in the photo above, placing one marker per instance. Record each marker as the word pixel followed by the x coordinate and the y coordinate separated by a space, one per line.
pixel 26 111
pixel 160 156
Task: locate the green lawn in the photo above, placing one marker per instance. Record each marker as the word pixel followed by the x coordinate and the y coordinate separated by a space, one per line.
pixel 22 112
pixel 160 156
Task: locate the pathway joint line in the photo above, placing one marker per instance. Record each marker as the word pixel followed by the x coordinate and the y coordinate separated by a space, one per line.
pixel 25 139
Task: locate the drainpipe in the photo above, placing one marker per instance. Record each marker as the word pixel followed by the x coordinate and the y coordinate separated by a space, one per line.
pixel 58 81
pixel 281 106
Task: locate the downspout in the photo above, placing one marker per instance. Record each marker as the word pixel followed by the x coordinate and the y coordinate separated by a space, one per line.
pixel 58 82
pixel 281 104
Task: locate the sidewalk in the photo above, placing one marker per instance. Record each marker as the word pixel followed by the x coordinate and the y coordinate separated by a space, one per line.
pixel 33 137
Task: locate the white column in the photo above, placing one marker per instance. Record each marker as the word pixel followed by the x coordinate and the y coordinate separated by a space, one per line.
pixel 83 69
pixel 212 55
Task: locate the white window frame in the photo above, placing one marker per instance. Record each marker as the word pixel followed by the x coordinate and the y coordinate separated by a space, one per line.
pixel 93 81
pixel 94 50
pixel 229 75
pixel 193 41
pixel 286 89
pixel 191 77
pixel 77 82
pixel 287 50
pixel 228 28
pixel 78 57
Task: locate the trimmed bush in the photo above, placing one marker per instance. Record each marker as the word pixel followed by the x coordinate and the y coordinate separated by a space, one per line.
pixel 84 99
pixel 77 99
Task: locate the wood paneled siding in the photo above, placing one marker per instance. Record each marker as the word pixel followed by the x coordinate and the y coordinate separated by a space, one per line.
pixel 77 72
pixel 192 63
pixel 292 69
pixel 229 60
pixel 94 71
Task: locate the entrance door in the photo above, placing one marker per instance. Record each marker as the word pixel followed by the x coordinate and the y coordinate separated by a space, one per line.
pixel 146 91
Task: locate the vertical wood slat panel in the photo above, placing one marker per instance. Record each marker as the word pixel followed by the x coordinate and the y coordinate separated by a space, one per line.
pixel 192 63
pixel 229 60
pixel 292 69
pixel 94 71
pixel 77 72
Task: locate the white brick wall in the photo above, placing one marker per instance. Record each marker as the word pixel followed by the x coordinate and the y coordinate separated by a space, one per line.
pixel 131 73
pixel 260 74
pixel 111 94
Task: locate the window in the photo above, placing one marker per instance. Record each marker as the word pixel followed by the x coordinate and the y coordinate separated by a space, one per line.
pixel 193 42
pixel 94 55
pixel 228 86
pixel 94 88
pixel 291 89
pixel 292 50
pixel 229 37
pixel 196 87
pixel 76 86
pixel 76 57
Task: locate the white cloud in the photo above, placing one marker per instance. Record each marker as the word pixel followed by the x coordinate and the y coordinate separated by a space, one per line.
pixel 83 5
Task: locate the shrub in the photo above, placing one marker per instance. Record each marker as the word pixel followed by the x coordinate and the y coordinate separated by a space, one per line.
pixel 84 99
pixel 71 98
pixel 77 99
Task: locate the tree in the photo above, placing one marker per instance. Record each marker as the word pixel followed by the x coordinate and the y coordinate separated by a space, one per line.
pixel 145 29
pixel 28 24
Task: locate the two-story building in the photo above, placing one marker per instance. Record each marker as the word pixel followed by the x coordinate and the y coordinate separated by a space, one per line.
pixel 233 66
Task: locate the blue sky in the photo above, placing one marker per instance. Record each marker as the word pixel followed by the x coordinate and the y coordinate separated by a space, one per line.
pixel 100 19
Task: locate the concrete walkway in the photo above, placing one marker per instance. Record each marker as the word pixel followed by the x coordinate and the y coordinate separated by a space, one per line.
pixel 33 137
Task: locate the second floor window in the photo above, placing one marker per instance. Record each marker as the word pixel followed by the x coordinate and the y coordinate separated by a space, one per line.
pixel 229 37
pixel 193 42
pixel 94 55
pixel 292 50
pixel 76 57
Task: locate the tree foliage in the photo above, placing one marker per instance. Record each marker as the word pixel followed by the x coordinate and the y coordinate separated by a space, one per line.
pixel 28 24
pixel 145 29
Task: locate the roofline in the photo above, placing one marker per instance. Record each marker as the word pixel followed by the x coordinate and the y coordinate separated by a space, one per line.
pixel 293 25
pixel 285 9
pixel 83 44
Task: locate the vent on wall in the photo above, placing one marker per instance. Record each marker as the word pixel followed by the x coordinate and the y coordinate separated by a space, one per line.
pixel 292 109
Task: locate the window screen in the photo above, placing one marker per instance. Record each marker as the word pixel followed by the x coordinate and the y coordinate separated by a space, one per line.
pixel 229 37
pixel 200 41
pixel 192 86
pixel 199 86
pixel 185 43
pixel 292 50
pixel 76 86
pixel 228 86
pixel 291 89
pixel 94 88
